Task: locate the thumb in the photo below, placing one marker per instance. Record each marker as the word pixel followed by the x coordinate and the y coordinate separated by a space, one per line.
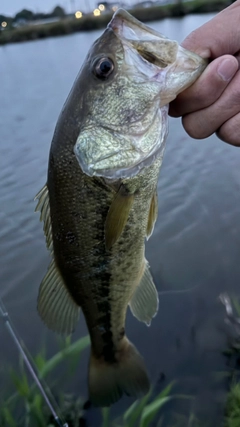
pixel 207 89
pixel 217 37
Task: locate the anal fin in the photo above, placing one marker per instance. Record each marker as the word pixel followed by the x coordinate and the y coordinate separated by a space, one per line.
pixel 144 302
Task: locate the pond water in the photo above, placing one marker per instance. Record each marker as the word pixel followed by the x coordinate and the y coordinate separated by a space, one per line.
pixel 193 253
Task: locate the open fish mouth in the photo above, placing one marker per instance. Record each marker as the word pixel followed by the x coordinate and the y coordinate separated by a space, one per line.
pixel 151 45
pixel 164 56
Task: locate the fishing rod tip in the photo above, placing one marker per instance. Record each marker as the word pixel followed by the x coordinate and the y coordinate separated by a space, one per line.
pixel 59 422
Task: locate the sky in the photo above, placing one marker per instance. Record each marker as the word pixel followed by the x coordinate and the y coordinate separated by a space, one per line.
pixel 11 7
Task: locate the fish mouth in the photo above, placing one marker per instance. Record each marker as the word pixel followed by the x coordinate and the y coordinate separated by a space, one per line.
pixel 161 57
pixel 151 45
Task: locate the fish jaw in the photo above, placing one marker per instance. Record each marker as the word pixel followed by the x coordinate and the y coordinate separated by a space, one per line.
pixel 150 72
pixel 166 62
pixel 127 155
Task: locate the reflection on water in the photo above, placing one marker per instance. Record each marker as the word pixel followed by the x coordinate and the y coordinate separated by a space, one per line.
pixel 195 246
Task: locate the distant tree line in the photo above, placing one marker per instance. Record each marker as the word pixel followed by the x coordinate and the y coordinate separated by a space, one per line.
pixel 26 15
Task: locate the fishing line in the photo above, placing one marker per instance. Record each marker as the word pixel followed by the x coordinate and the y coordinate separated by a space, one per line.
pixel 30 365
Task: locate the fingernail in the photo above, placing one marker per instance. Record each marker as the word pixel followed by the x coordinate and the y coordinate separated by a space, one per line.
pixel 227 69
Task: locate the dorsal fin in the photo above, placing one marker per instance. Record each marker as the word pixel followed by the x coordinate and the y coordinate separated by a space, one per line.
pixel 44 207
pixel 117 216
pixel 144 302
pixel 55 305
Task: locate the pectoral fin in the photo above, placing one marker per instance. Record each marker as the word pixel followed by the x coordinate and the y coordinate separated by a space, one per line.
pixel 152 216
pixel 144 302
pixel 117 216
pixel 55 305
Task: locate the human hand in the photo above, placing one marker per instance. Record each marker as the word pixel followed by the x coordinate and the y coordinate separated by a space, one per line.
pixel 212 103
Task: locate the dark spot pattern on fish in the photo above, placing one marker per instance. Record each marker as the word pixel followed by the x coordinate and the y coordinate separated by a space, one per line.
pixel 101 297
pixel 121 333
pixel 71 238
pixel 103 306
pixel 108 353
pixel 101 184
pixel 58 236
pixel 104 325
pixel 107 336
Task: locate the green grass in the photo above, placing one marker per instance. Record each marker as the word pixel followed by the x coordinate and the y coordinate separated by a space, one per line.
pixel 232 410
pixel 26 407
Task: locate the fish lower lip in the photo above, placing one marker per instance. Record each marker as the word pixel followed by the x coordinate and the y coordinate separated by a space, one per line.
pixel 124 172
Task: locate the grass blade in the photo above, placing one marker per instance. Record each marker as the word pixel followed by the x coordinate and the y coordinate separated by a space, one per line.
pixel 151 410
pixel 134 412
pixel 75 348
pixel 106 417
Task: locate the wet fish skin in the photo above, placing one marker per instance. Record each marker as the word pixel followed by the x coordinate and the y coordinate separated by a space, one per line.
pixel 100 203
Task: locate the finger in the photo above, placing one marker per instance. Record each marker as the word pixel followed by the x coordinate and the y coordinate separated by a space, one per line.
pixel 237 56
pixel 207 89
pixel 205 122
pixel 217 37
pixel 229 131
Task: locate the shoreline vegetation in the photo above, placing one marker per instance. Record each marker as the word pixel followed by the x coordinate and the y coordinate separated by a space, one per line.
pixel 23 403
pixel 68 25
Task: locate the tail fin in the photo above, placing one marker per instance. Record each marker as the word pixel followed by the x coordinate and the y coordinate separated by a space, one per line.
pixel 108 381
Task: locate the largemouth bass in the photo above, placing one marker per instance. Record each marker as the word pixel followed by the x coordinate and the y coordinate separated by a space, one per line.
pixel 100 201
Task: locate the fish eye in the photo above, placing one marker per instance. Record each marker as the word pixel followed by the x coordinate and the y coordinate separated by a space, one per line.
pixel 103 68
